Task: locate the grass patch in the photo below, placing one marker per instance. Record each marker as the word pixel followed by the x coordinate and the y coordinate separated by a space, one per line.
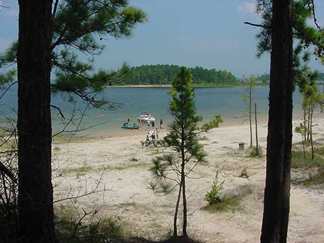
pixel 79 170
pixel 218 202
pixel 254 153
pixel 316 179
pixel 85 169
pixel 122 166
pixel 226 204
pixel 320 150
pixel 298 160
pixel 68 138
pixel 75 227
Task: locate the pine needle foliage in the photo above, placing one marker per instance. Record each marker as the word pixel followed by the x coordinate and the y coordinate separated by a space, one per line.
pixel 79 30
pixel 305 27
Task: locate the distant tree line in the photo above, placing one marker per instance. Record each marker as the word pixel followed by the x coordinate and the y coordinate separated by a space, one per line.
pixel 265 78
pixel 165 74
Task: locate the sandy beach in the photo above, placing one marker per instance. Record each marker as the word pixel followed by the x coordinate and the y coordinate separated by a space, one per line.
pixel 121 165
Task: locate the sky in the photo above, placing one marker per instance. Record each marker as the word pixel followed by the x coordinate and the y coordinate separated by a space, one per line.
pixel 208 33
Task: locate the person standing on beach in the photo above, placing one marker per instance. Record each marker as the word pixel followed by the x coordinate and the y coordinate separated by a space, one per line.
pixel 161 123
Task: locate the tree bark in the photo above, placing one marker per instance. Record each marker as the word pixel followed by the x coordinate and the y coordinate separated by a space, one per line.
pixel 35 200
pixel 184 201
pixel 277 189
pixel 175 217
pixel 250 114
pixel 308 123
pixel 256 131
pixel 304 133
pixel 311 130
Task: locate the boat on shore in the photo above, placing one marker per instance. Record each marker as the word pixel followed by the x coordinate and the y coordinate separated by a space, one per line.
pixel 146 119
pixel 128 125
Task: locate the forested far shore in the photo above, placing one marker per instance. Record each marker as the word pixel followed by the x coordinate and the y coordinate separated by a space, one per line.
pixel 162 75
pixel 165 74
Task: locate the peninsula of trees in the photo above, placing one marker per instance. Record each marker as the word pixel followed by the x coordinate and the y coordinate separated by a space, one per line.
pixel 165 74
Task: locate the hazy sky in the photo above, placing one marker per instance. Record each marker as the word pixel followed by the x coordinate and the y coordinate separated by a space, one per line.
pixel 208 33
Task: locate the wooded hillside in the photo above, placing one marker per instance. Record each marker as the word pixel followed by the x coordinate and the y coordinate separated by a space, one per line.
pixel 165 74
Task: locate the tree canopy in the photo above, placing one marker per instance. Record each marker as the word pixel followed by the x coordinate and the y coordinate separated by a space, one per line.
pixel 79 27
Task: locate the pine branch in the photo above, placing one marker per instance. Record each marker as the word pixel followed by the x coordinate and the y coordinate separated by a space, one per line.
pixel 7 172
pixel 312 6
pixel 258 25
pixel 55 8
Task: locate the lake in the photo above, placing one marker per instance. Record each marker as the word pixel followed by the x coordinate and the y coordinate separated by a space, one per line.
pixel 128 103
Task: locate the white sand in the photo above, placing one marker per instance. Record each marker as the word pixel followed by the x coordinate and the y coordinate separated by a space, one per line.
pixel 77 167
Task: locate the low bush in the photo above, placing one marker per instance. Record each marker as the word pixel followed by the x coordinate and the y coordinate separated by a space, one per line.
pixel 214 195
pixel 226 204
pixel 74 227
pixel 254 152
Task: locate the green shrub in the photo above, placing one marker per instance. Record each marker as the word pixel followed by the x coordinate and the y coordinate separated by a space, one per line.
pixel 214 195
pixel 214 123
pixel 253 152
pixel 226 204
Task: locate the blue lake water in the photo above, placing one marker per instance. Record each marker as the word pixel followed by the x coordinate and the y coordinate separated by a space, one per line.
pixel 130 102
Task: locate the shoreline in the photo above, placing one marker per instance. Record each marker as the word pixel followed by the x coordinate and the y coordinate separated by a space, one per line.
pixel 169 86
pixel 118 132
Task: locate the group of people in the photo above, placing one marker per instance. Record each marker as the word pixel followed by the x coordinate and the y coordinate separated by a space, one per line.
pixel 152 124
pixel 152 135
pixel 148 122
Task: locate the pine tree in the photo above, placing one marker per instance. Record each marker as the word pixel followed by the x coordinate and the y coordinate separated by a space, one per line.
pixel 283 21
pixel 35 199
pixel 183 140
pixel 277 190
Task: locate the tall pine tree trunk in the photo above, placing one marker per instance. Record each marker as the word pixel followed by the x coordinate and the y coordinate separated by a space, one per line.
pixel 277 190
pixel 175 217
pixel 35 200
pixel 250 114
pixel 308 122
pixel 304 133
pixel 311 131
pixel 257 149
pixel 183 183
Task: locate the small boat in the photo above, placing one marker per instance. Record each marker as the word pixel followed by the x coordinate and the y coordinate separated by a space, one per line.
pixel 146 119
pixel 127 125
